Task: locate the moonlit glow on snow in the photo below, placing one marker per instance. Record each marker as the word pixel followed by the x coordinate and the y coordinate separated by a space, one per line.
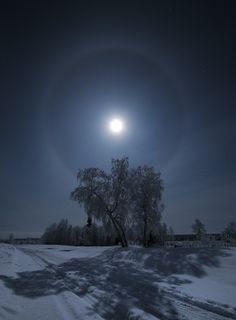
pixel 116 126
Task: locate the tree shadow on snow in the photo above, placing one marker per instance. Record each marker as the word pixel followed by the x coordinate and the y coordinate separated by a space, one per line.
pixel 120 279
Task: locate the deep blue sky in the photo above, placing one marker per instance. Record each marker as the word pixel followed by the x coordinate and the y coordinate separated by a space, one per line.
pixel 166 67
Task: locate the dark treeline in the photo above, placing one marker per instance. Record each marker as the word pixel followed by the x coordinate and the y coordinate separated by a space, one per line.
pixel 94 234
pixel 65 233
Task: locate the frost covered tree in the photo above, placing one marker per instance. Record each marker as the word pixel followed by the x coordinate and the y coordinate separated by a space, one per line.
pixel 61 234
pixel 69 235
pixel 76 235
pixel 105 196
pixel 198 228
pixel 163 233
pixel 170 234
pixel 49 236
pixel 230 231
pixel 11 238
pixel 146 188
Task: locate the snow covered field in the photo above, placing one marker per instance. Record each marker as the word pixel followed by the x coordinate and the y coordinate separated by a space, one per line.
pixel 63 282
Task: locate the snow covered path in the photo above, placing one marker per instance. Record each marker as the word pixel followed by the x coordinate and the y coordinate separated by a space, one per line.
pixel 61 282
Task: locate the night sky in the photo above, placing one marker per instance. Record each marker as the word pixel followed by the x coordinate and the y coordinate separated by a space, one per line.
pixel 167 68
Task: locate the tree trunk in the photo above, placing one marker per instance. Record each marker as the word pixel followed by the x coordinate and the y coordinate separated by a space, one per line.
pixel 124 240
pixel 119 230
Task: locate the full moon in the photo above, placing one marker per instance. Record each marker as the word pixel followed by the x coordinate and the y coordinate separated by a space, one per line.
pixel 116 126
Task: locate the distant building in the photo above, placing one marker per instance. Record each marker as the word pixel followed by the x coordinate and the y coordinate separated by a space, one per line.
pixel 192 240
